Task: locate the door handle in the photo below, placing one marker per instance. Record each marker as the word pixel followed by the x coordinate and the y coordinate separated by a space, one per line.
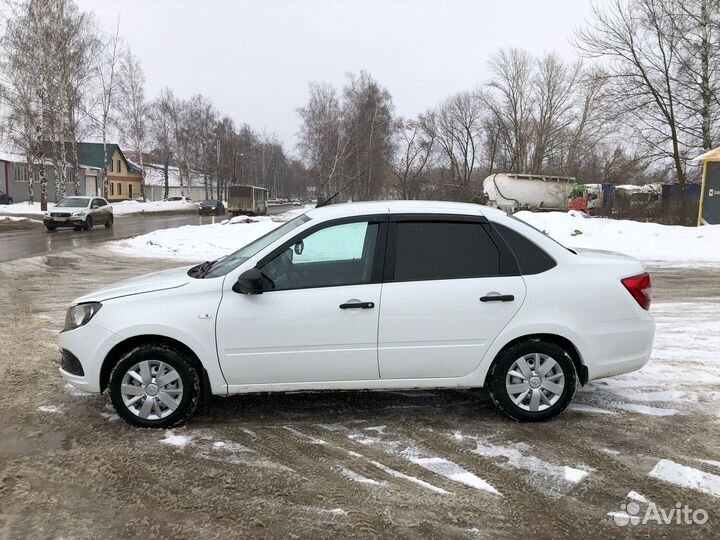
pixel 498 298
pixel 357 305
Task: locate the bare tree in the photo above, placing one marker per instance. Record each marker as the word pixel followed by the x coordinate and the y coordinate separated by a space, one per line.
pixel 324 140
pixel 162 131
pixel 133 108
pixel 368 115
pixel 107 64
pixel 415 147
pixel 640 42
pixel 512 104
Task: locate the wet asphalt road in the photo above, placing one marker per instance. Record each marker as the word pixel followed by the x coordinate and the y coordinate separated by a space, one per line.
pixel 36 240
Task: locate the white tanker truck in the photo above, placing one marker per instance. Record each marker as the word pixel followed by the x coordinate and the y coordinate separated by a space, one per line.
pixel 512 192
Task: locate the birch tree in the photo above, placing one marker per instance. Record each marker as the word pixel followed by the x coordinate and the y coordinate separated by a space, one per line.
pixel 133 109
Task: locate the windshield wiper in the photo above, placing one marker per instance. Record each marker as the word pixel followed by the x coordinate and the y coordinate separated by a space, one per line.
pixel 201 270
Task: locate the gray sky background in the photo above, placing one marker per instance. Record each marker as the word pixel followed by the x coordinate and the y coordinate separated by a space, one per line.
pixel 254 60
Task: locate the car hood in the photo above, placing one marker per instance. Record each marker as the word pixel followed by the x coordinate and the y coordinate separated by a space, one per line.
pixel 157 281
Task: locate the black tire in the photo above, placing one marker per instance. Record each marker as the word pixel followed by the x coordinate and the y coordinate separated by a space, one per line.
pixel 50 228
pixel 499 371
pixel 88 223
pixel 188 375
pixel 109 222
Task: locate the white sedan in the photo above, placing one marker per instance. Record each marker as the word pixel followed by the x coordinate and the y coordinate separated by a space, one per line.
pixel 382 295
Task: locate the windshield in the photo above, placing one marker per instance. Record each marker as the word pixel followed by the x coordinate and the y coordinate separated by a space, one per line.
pixel 232 261
pixel 73 202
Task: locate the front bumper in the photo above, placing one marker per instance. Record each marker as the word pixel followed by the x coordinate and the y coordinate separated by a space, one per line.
pixel 73 221
pixel 90 345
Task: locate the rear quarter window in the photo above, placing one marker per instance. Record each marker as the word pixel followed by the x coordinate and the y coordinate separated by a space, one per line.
pixel 530 257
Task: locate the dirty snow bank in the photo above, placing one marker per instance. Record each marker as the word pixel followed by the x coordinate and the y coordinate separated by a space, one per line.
pixel 119 208
pixel 202 242
pixel 23 208
pixel 135 207
pixel 649 242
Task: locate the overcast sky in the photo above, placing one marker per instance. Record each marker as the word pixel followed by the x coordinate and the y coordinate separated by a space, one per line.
pixel 254 60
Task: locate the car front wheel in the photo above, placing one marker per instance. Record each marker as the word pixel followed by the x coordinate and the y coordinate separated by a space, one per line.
pixel 532 381
pixel 154 386
pixel 88 223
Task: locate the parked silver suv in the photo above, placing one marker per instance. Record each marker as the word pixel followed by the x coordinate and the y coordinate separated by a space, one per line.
pixel 80 213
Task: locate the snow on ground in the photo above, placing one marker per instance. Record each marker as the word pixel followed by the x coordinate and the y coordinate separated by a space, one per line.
pixel 650 242
pixel 135 207
pixel 203 242
pixel 683 374
pixel 15 219
pixel 688 477
pixel 23 208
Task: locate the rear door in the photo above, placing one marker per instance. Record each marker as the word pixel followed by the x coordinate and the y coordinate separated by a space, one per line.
pixel 451 285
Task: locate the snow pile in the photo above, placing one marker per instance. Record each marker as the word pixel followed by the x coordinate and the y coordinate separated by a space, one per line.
pixel 136 207
pixel 203 242
pixel 119 208
pixel 23 208
pixel 649 242
pixel 13 219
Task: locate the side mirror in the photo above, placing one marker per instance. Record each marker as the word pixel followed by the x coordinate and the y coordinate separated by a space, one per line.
pixel 94 207
pixel 249 282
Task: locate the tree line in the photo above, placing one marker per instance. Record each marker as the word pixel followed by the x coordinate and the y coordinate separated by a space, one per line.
pixel 62 82
pixel 639 102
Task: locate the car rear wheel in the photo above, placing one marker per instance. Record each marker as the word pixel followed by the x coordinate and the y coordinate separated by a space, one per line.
pixel 88 223
pixel 154 386
pixel 109 222
pixel 532 381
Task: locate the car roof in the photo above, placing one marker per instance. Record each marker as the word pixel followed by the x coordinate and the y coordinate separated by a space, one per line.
pixel 401 207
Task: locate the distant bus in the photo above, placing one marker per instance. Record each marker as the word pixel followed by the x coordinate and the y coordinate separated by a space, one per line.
pixel 247 200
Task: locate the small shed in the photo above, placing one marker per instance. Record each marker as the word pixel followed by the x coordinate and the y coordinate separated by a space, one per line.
pixel 709 213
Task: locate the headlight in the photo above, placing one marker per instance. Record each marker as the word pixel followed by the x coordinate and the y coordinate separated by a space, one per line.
pixel 79 315
pixel 47 214
pixel 78 213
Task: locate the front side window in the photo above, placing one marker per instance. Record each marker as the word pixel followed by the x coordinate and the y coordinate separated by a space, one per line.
pixel 428 250
pixel 336 255
pixel 232 261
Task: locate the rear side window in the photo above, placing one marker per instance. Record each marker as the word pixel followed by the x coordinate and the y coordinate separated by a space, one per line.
pixel 443 250
pixel 531 258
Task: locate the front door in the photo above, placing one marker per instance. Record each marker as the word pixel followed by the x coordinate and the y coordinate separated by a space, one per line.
pixel 317 319
pixel 449 293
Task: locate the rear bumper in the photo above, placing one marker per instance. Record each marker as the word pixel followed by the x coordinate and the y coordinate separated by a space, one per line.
pixel 618 347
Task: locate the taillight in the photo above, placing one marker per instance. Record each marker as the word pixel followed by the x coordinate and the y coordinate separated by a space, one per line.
pixel 641 289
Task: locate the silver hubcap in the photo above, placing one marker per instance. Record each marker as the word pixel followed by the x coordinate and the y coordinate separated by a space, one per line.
pixel 151 389
pixel 535 382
